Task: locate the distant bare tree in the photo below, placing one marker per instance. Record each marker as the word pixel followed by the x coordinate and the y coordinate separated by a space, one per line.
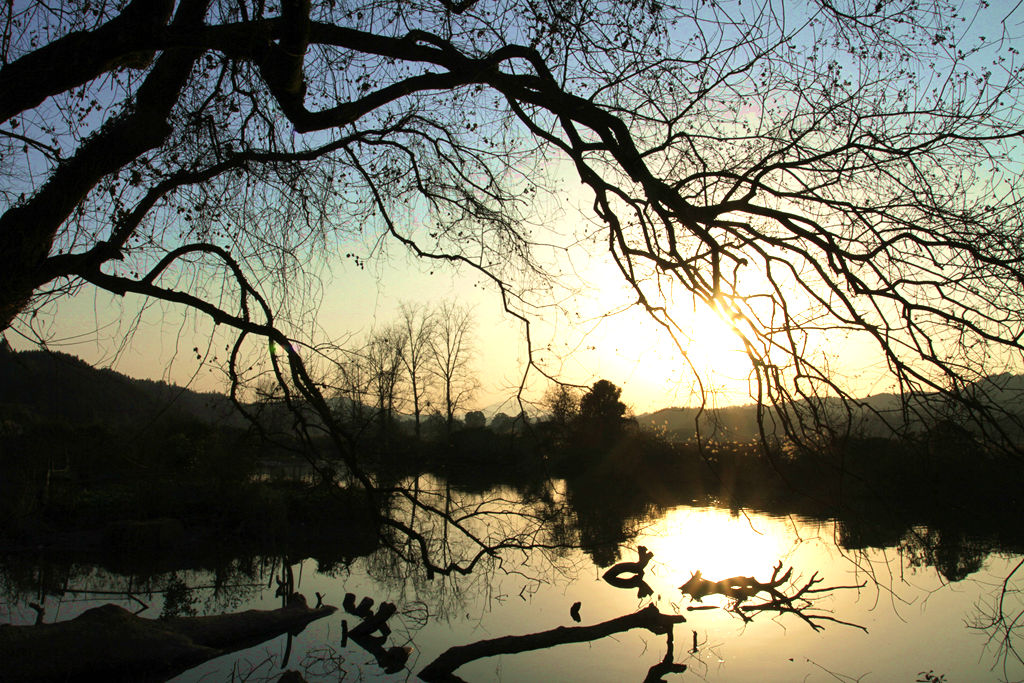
pixel 383 353
pixel 417 325
pixel 451 350
pixel 562 403
pixel 352 390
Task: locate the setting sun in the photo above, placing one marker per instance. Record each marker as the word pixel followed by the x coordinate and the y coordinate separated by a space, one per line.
pixel 632 349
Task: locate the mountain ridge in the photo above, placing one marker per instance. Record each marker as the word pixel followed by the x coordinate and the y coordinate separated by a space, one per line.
pixel 54 384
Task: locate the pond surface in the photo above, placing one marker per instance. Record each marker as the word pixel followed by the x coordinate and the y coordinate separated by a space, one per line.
pixel 877 613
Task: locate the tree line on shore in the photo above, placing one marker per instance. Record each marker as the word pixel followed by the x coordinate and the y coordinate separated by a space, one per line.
pixel 59 471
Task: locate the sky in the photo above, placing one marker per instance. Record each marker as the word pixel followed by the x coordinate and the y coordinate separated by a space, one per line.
pixel 586 331
pixel 155 341
pixel 587 328
pixel 574 339
pixel 577 342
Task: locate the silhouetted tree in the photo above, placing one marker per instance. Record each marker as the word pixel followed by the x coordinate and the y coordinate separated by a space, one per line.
pixel 797 175
pixel 435 426
pixel 352 393
pixel 451 349
pixel 417 325
pixel 562 404
pixel 501 423
pixel 383 356
pixel 475 419
pixel 601 405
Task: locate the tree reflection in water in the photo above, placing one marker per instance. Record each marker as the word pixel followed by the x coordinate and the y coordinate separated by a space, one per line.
pixel 465 538
pixel 1002 619
pixel 954 553
pixel 539 534
pixel 60 585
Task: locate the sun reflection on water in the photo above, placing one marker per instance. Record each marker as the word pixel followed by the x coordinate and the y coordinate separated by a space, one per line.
pixel 716 543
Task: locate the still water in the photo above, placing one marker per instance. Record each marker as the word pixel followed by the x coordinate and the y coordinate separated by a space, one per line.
pixel 870 614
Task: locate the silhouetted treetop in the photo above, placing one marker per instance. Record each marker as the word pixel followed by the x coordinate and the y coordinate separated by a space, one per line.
pixel 562 403
pixel 601 404
pixel 475 419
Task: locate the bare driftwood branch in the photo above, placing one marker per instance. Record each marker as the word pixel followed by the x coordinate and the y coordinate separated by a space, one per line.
pixel 742 588
pixel 443 668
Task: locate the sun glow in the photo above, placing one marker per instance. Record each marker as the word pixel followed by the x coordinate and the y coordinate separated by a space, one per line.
pixel 635 352
pixel 716 351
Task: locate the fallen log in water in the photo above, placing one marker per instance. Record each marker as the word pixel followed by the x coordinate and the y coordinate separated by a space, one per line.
pixel 112 644
pixel 442 669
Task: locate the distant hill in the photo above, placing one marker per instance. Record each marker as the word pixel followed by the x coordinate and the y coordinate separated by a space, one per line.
pixel 877 416
pixel 741 422
pixel 54 385
pixel 57 385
